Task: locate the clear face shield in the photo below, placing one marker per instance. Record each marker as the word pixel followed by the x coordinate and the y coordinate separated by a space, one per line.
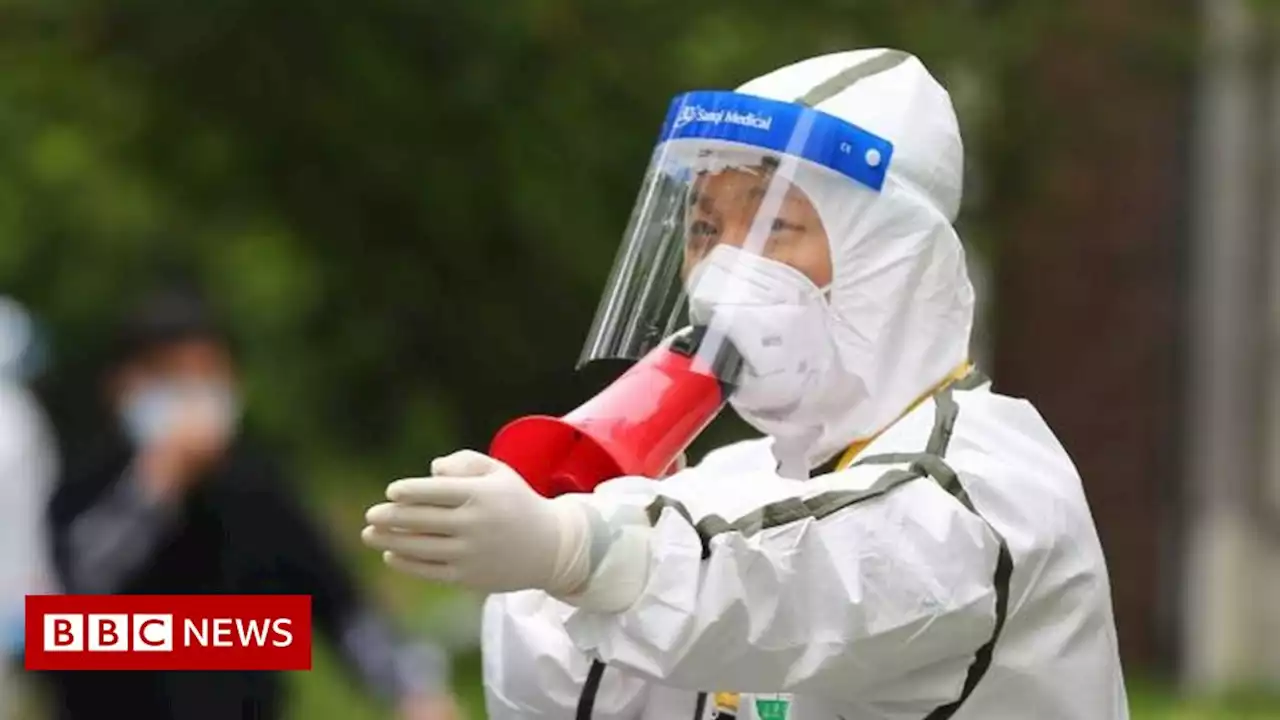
pixel 726 246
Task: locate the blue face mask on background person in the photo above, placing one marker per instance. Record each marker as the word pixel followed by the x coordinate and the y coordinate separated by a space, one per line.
pixel 153 412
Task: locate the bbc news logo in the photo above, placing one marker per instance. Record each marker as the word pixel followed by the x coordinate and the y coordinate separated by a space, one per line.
pixel 108 633
pixel 168 632
pixel 143 632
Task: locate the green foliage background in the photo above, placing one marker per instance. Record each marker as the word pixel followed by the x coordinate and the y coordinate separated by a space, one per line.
pixel 406 208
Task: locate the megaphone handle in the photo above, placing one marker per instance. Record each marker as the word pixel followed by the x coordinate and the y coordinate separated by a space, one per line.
pixel 726 365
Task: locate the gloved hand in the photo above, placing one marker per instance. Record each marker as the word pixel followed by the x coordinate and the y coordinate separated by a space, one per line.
pixel 476 523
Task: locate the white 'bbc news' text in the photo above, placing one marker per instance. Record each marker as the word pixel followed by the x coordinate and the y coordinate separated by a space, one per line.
pixel 151 632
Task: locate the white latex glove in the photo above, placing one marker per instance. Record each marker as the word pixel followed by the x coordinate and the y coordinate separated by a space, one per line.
pixel 476 523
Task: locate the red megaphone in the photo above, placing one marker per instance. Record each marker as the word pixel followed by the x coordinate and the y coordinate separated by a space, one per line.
pixel 638 425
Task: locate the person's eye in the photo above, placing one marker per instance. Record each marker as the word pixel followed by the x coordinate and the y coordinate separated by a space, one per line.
pixel 702 229
pixel 780 225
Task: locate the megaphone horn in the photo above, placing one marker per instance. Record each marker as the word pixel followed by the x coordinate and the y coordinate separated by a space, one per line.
pixel 638 425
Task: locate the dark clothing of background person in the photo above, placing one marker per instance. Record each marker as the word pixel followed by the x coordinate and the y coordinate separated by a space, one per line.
pixel 239 530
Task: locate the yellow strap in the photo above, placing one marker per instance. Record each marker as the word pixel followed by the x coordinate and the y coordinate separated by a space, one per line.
pixel 726 701
pixel 857 446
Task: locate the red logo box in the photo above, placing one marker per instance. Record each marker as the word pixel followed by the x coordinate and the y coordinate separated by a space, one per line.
pixel 168 632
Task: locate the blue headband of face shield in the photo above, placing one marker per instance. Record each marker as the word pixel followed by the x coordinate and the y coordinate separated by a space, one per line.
pixel 780 127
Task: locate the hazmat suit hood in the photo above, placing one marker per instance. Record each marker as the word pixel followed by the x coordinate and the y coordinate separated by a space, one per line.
pixel 901 304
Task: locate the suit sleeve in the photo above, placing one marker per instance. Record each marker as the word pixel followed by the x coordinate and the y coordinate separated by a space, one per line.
pixel 831 587
pixel 532 669
pixel 103 545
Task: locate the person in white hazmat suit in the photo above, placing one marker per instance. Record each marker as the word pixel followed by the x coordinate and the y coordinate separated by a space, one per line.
pixel 905 544
pixel 28 466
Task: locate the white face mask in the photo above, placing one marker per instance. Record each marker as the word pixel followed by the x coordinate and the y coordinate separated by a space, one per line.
pixel 155 411
pixel 776 317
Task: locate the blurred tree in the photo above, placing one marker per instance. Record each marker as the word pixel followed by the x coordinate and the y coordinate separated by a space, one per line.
pixel 1090 253
pixel 407 208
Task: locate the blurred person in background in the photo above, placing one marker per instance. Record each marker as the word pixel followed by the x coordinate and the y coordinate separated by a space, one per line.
pixel 28 467
pixel 177 501
pixel 905 543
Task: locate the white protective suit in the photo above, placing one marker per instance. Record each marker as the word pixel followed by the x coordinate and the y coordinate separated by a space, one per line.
pixel 28 465
pixel 948 569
